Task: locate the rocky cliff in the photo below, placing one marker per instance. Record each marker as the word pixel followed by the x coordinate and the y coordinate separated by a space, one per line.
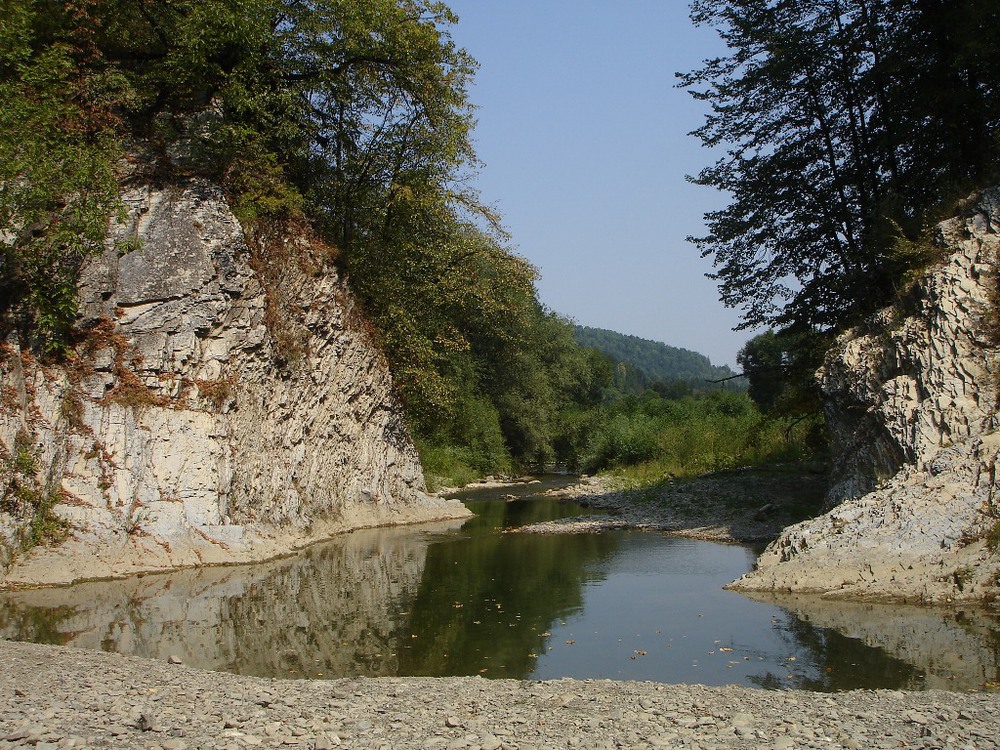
pixel 222 403
pixel 912 407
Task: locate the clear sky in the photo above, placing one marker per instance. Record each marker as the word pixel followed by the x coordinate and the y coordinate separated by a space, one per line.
pixel 584 137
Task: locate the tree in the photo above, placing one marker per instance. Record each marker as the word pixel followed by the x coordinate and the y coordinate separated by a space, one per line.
pixel 780 367
pixel 339 108
pixel 845 124
pixel 346 121
pixel 58 129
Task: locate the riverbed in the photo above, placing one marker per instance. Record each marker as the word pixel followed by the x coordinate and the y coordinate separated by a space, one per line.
pixel 467 599
pixel 70 698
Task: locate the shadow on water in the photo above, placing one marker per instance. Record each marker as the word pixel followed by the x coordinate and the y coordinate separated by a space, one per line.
pixel 486 601
pixel 363 604
pixel 455 599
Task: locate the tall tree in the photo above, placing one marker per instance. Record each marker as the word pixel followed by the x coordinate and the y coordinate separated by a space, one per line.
pixel 344 119
pixel 844 123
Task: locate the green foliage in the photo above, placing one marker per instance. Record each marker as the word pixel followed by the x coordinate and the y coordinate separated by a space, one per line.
pixel 516 402
pixel 333 107
pixel 24 461
pixel 351 121
pixel 27 501
pixel 653 438
pixel 651 362
pixel 57 147
pixel 454 465
pixel 349 118
pixel 910 257
pixel 781 370
pixel 845 125
pixel 43 526
pixel 992 536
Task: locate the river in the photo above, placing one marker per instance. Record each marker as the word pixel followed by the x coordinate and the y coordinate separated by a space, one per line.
pixel 467 599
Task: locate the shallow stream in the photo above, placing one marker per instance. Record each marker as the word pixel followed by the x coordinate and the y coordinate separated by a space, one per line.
pixel 467 599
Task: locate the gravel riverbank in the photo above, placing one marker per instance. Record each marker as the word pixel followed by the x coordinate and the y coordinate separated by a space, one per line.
pixel 746 505
pixel 57 697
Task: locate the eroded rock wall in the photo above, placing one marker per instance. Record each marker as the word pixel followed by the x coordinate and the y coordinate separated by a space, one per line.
pixel 912 405
pixel 920 376
pixel 223 404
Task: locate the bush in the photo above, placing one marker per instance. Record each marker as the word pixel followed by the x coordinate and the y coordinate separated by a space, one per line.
pixel 653 438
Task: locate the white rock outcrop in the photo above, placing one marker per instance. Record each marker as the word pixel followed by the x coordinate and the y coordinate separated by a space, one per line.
pixel 223 404
pixel 912 407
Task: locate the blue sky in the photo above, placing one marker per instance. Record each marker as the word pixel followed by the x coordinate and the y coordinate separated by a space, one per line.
pixel 584 139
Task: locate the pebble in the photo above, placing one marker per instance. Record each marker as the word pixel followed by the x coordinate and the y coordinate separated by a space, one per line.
pixel 41 708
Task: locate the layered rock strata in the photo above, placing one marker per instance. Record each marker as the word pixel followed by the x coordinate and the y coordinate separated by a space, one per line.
pixel 223 404
pixel 912 406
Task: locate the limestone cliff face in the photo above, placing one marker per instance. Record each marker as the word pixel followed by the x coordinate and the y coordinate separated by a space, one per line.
pixel 912 405
pixel 906 387
pixel 225 404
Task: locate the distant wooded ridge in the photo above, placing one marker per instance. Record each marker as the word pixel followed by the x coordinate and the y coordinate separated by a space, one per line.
pixel 655 361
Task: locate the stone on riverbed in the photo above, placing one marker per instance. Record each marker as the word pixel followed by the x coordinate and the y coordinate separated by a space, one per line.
pixel 72 698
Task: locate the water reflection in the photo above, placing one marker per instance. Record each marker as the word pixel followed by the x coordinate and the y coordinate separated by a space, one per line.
pixel 660 613
pixel 445 600
pixel 335 609
pixel 487 602
pixel 947 649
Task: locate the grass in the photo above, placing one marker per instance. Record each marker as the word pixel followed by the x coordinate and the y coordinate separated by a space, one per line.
pixel 44 527
pixel 646 442
pixel 992 537
pixel 217 392
pixel 681 446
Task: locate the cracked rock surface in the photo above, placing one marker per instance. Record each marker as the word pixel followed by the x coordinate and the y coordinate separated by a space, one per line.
pixel 912 406
pixel 225 403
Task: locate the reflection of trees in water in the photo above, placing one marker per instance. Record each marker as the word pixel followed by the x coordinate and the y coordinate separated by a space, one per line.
pixel 395 601
pixel 333 613
pixel 837 663
pixel 345 608
pixel 486 602
pixel 333 609
pixel 984 627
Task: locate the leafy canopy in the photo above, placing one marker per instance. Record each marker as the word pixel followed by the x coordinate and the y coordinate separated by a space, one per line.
pixel 844 126
pixel 349 117
pixel 325 105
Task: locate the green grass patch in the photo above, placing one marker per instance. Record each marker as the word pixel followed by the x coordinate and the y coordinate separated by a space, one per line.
pixel 28 502
pixel 993 536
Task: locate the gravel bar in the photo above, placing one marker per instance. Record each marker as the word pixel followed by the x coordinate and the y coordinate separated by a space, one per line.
pixel 57 697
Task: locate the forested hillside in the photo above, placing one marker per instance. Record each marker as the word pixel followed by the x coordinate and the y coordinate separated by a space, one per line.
pixel 652 361
pixel 335 125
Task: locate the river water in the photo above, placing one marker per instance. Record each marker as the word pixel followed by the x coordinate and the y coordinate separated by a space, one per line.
pixel 467 599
